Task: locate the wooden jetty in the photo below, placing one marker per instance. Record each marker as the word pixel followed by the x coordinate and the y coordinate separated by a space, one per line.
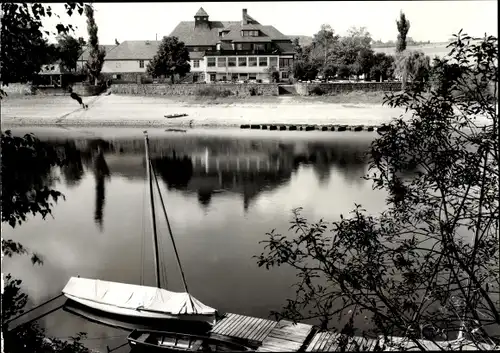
pixel 264 335
pixel 284 336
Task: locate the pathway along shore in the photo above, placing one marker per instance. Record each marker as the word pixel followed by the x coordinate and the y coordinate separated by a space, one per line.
pixel 117 110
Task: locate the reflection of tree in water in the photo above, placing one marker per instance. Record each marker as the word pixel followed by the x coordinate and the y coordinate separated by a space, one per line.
pixel 176 172
pixel 72 169
pixel 101 172
pixel 204 197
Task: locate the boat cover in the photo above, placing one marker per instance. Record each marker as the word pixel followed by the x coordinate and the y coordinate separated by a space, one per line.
pixel 136 297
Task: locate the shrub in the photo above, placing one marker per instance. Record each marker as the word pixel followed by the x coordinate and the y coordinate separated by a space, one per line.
pixel 213 92
pixel 318 91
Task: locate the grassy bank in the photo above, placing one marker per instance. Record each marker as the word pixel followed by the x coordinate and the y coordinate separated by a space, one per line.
pixel 356 97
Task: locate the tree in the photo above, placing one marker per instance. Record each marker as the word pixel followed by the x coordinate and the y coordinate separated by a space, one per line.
pixel 274 75
pixel 70 50
pixel 383 67
pixel 26 189
pixel 428 265
pixel 412 66
pixel 330 70
pixel 364 62
pixel 24 49
pixel 297 48
pixel 305 70
pixel 172 58
pixel 403 27
pixel 324 40
pixel 345 53
pixel 96 53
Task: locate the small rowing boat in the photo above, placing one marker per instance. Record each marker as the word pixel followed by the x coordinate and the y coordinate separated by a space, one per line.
pixel 170 116
pixel 180 342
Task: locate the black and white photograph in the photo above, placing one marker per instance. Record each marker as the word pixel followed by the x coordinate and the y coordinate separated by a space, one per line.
pixel 261 176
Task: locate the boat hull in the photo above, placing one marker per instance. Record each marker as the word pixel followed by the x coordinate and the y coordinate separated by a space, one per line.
pixel 162 341
pixel 120 311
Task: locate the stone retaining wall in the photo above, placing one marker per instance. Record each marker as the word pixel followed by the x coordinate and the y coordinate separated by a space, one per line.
pixel 18 89
pixel 87 90
pixel 164 89
pixel 307 89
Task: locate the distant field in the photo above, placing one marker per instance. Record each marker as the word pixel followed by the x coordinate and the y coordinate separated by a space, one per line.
pixel 432 50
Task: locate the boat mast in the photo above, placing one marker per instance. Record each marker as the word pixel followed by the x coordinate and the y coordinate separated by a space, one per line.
pixel 171 235
pixel 153 219
pixel 173 244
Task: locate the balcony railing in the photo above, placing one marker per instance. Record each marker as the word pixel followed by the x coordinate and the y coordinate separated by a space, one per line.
pixel 241 52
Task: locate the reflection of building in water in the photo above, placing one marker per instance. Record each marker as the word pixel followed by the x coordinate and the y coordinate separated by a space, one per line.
pixel 246 174
pixel 207 166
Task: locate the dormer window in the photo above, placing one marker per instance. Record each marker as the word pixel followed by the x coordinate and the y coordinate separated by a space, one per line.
pixel 249 33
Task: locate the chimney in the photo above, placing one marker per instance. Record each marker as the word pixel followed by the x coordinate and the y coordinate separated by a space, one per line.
pixel 244 17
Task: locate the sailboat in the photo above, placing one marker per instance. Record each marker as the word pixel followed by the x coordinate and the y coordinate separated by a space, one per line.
pixel 138 301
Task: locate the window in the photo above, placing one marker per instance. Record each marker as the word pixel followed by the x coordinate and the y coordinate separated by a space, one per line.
pixel 284 74
pixel 221 62
pixel 231 61
pixel 252 61
pixel 141 64
pixel 262 60
pixel 249 33
pixel 273 61
pixel 243 46
pixel 234 77
pixel 243 76
pixel 242 61
pixel 252 76
pixel 210 61
pixel 259 47
pixel 285 62
pixel 196 63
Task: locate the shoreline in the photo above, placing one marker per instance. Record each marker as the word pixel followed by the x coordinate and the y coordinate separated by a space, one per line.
pixel 137 111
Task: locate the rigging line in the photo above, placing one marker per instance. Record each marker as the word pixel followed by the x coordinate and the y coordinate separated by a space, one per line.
pixel 143 235
pixel 161 259
pixel 172 237
pixel 36 307
pixel 161 245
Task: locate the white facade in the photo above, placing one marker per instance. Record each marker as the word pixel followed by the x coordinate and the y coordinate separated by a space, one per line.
pixel 218 67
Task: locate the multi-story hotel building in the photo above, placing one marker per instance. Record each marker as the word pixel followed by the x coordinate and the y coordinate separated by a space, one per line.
pixel 234 50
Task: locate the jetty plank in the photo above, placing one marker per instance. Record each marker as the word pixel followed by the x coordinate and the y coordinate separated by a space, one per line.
pixel 244 330
pixel 244 327
pixel 313 343
pixel 222 324
pixel 234 322
pixel 264 330
pixel 286 337
pixel 237 327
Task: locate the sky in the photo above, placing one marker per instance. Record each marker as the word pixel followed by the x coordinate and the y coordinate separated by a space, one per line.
pixel 429 20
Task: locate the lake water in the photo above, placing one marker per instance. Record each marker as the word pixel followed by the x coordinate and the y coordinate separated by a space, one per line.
pixel 223 190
